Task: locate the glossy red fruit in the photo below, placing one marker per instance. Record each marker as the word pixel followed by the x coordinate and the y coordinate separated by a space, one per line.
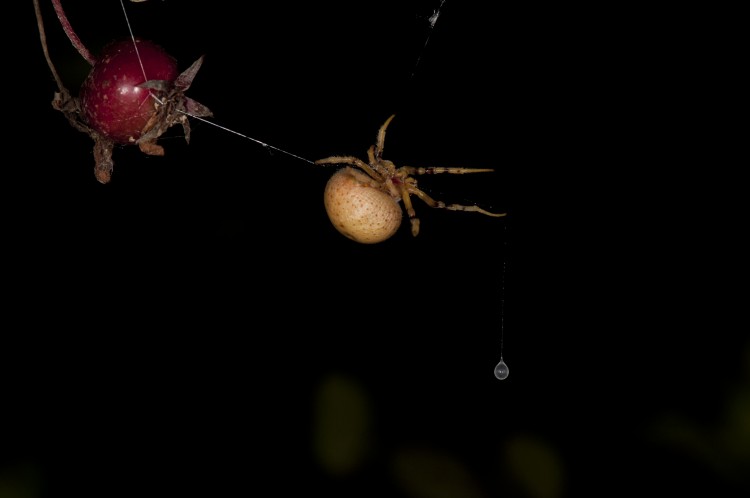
pixel 110 99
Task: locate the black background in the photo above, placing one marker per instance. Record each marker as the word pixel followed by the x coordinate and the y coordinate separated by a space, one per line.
pixel 185 312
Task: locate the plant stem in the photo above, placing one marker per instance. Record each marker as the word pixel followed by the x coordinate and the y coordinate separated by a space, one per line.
pixel 43 37
pixel 71 34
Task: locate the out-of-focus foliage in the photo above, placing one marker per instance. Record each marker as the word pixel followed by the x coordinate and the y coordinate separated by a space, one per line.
pixel 427 473
pixel 724 445
pixel 341 429
pixel 535 467
pixel 19 481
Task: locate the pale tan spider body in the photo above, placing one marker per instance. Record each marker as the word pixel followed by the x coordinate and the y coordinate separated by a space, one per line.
pixel 359 208
pixel 363 203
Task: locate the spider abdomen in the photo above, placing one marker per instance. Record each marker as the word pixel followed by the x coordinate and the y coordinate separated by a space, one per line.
pixel 359 209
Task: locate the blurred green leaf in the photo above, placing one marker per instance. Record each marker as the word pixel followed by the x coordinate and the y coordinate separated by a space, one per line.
pixel 735 432
pixel 19 481
pixel 685 435
pixel 425 473
pixel 341 432
pixel 535 466
pixel 723 446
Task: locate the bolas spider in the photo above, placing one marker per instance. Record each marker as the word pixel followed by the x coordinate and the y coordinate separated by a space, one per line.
pixel 363 203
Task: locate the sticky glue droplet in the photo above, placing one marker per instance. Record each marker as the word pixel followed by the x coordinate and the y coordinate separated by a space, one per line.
pixel 501 370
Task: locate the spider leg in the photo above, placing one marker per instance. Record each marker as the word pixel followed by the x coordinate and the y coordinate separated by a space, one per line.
pixel 352 161
pixel 376 163
pixel 411 170
pixel 451 207
pixel 380 144
pixel 385 167
pixel 404 190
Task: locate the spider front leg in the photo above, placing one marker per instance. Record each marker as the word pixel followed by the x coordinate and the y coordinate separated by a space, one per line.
pixel 353 161
pixel 408 186
pixel 411 170
pixel 412 189
pixel 380 144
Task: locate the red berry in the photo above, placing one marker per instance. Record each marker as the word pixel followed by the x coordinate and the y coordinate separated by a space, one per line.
pixel 111 102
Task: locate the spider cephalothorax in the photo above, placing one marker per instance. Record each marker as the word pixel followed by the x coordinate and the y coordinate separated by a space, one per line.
pixel 363 203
